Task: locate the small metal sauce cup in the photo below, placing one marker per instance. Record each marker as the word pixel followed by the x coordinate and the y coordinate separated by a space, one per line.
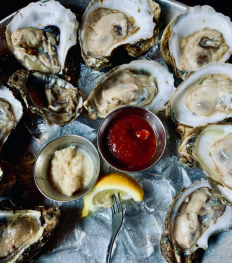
pixel 41 166
pixel 148 116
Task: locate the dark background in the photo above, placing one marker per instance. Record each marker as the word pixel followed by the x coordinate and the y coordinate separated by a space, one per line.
pixel 222 6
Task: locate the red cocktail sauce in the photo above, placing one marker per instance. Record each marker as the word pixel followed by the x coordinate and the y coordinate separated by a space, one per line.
pixel 131 141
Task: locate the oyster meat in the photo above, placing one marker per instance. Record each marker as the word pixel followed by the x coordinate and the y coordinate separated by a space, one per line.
pixel 11 111
pixel 23 233
pixel 41 34
pixel 141 83
pixel 107 24
pixel 197 37
pixel 204 97
pixel 194 215
pixel 209 148
pixel 48 96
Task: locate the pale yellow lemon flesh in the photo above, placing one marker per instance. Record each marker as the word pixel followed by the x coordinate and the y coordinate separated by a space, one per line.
pixel 106 186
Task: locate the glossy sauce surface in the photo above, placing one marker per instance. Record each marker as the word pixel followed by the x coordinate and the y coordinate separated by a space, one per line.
pixel 131 141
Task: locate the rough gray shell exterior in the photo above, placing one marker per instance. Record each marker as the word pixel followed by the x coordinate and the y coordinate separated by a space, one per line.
pixel 19 81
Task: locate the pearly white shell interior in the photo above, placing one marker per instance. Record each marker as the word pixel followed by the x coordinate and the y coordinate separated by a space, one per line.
pixel 194 19
pixel 182 114
pixel 16 105
pixel 40 15
pixel 222 223
pixel 201 153
pixel 141 13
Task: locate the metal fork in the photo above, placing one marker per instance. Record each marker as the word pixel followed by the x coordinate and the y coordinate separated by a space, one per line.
pixel 117 220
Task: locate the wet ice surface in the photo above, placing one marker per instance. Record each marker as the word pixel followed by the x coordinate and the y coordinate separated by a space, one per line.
pixel 88 80
pixel 86 240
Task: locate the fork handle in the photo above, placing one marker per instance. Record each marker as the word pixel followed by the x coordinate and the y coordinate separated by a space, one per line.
pixel 109 249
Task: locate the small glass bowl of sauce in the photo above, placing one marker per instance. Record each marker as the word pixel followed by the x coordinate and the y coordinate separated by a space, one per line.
pixel 131 139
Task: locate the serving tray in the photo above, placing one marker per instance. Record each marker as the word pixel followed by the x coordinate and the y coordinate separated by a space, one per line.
pixel 86 240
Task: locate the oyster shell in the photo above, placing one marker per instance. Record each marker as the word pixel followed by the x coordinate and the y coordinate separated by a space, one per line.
pixel 25 232
pixel 197 37
pixel 208 147
pixel 141 83
pixel 7 177
pixel 48 96
pixel 204 97
pixel 41 34
pixel 201 213
pixel 107 24
pixel 11 111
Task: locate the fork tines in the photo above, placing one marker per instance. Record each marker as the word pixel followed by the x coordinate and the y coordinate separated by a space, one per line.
pixel 117 207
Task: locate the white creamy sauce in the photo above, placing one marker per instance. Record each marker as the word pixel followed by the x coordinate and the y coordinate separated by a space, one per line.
pixel 202 47
pixel 210 95
pixel 71 170
pixel 221 152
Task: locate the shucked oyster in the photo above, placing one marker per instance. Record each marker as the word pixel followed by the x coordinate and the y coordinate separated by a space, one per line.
pixel 48 96
pixel 194 215
pixel 204 97
pixel 23 233
pixel 41 34
pixel 209 147
pixel 141 83
pixel 107 24
pixel 11 111
pixel 197 37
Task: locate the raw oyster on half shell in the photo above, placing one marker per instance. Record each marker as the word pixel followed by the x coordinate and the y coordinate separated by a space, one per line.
pixel 204 97
pixel 141 83
pixel 41 34
pixel 195 38
pixel 107 24
pixel 209 147
pixel 55 99
pixel 11 111
pixel 194 215
pixel 23 233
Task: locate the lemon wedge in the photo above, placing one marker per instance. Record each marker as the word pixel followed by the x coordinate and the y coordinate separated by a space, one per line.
pixel 106 186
